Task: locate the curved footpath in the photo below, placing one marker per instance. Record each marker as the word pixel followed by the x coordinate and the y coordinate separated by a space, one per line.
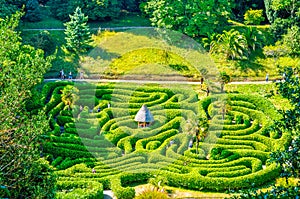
pixel 100 28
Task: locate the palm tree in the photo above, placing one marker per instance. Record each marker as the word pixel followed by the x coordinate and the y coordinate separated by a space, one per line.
pixel 69 95
pixel 254 38
pixel 231 43
pixel 224 79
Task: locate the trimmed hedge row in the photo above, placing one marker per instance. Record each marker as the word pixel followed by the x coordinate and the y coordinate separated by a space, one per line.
pixel 121 192
pixel 141 144
pixel 79 189
pixel 63 152
pixel 230 174
pixel 66 163
pixel 50 86
pixel 205 171
pixel 195 181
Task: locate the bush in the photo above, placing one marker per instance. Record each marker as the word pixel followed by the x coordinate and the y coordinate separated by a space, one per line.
pixel 253 17
pixel 152 145
pixel 121 192
pixel 152 193
pixel 79 189
pixel 62 120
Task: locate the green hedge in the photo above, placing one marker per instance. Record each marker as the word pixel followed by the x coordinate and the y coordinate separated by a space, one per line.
pixel 195 181
pixel 121 192
pixel 79 189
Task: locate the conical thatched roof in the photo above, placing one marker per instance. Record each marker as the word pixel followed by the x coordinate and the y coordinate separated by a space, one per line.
pixel 144 115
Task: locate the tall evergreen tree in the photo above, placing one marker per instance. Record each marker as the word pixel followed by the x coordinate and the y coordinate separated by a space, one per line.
pixel 78 35
pixel 22 173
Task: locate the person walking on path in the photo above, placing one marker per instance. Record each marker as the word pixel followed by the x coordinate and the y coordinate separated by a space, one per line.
pixel 267 77
pixel 81 75
pixel 62 74
pixel 70 75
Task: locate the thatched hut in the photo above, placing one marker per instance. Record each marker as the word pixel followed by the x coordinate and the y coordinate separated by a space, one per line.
pixel 144 117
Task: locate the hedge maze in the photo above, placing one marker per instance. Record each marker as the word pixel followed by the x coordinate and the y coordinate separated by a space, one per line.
pixel 95 143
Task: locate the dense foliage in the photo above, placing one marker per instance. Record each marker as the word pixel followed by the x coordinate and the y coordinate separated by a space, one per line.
pixel 181 15
pixel 78 36
pixel 22 173
pixel 33 12
pixel 95 10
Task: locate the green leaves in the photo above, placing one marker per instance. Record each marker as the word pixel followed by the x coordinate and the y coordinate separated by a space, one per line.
pixel 196 19
pixel 231 43
pixel 78 36
pixel 21 68
pixel 254 17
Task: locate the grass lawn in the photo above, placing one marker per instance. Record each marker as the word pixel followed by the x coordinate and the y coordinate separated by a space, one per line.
pixel 138 52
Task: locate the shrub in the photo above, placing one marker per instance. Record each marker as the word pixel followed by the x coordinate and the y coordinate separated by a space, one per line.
pixel 121 192
pixel 80 189
pixel 152 145
pixel 62 120
pixel 152 192
pixel 253 17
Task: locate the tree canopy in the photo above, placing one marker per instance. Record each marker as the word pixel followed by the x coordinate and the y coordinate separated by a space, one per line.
pixel 22 173
pixel 78 36
pixel 196 19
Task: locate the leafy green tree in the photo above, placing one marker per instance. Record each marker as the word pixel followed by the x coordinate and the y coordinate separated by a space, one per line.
pixel 78 36
pixel 33 12
pixel 7 9
pixel 231 43
pixel 241 6
pixel 43 40
pixel 254 38
pixel 100 10
pixel 224 79
pixel 277 192
pixel 253 17
pixel 22 173
pixel 196 19
pixel 289 160
pixel 292 40
pixel 282 14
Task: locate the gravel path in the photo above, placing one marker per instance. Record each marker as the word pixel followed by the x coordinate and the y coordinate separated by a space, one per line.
pixel 151 81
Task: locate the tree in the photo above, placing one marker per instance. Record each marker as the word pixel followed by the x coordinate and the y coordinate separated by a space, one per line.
pixel 33 12
pixel 44 41
pixel 254 38
pixel 100 10
pixel 241 6
pixel 254 17
pixel 7 9
pixel 69 95
pixel 282 14
pixel 289 160
pixel 292 40
pixel 22 173
pixel 78 36
pixel 196 19
pixel 231 43
pixel 224 79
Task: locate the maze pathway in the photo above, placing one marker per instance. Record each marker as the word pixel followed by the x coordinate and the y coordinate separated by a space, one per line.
pixel 100 133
